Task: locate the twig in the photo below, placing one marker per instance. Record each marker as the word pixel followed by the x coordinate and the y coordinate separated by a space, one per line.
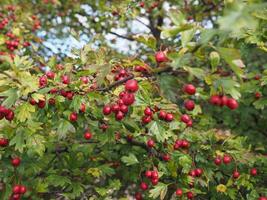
pixel 122 36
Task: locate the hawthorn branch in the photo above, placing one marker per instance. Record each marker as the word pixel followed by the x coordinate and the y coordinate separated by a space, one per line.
pixel 116 83
pixel 122 36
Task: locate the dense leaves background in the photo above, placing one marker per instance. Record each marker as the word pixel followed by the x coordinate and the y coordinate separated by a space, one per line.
pixel 63 63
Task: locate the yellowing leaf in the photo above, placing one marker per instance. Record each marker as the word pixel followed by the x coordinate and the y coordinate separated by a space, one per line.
pixel 94 171
pixel 24 111
pixel 221 188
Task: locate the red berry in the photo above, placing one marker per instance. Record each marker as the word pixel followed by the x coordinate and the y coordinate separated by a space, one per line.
pixel 52 101
pixel 190 195
pixel 138 196
pixel 179 192
pixel 185 118
pixel 84 79
pixel 215 100
pixel 50 74
pixel 10 115
pixel 154 181
pixel 23 189
pixel 123 72
pixel 142 4
pixel 236 174
pixel 87 135
pixel 124 108
pixel 169 117
pixel 143 186
pixel 15 162
pixel 73 117
pixel 192 173
pixel 198 172
pixel 263 198
pixel 128 99
pixel 148 174
pixel 257 77
pixel 257 95
pixel 148 111
pixel 41 104
pixel 16 189
pixel 32 102
pixel 162 114
pixel 131 85
pixel 227 159
pixel 150 143
pixel 223 100
pixel 185 144
pixel 232 104
pixel 189 89
pixel 217 160
pixel 43 81
pixel 115 108
pixel 4 142
pixel 146 119
pixel 15 197
pixel 160 56
pixel 106 110
pixel 119 116
pixel 253 172
pixel 154 175
pixel 65 79
pixel 189 105
pixel 166 157
pixel 189 124
pixel 83 107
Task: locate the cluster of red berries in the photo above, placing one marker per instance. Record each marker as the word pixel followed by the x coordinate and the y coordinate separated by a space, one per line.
pixel 12 44
pixel 179 193
pixel 151 7
pixel 168 117
pixel 126 98
pixel 196 172
pixel 36 23
pixel 3 23
pixel 222 100
pixel 184 144
pixel 120 74
pixel 41 103
pixel 6 113
pixel 17 192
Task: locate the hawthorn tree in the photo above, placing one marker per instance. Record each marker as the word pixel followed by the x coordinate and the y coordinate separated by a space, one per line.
pixel 179 116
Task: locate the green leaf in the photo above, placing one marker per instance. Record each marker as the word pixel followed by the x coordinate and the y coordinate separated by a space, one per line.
pixel 158 131
pixel 36 143
pixel 214 60
pixel 172 32
pixel 186 36
pixel 130 159
pixel 261 103
pixel 177 17
pixel 12 97
pixel 159 190
pixel 197 72
pixel 18 140
pixel 64 127
pixel 24 112
pixel 148 40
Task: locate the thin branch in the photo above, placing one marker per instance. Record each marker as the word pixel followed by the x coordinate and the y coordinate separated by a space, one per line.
pixel 122 36
pixel 143 23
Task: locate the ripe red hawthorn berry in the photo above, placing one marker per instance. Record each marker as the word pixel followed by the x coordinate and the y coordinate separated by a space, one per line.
pixel 143 186
pixel 83 107
pixel 218 160
pixel 189 89
pixel 131 85
pixel 257 77
pixel 162 115
pixel 154 181
pixel 160 56
pixel 189 105
pixel 169 117
pixel 154 175
pixel 41 104
pixel 43 81
pixel 253 172
pixel 223 100
pixel 140 69
pixel 15 197
pixel 84 79
pixel 166 157
pixel 185 144
pixel 73 117
pixel 150 143
pixel 232 104
pixel 179 192
pixel 50 74
pixel 262 198
pixel 148 111
pixel 32 102
pixel 138 196
pixel 185 118
pixel 115 108
pixel 128 99
pixel 215 100
pixel 146 119
pixel 236 174
pixel 65 79
pixel 16 189
pixel 257 95
pixel 9 115
pixel 4 142
pixel 23 189
pixel 192 173
pixel 106 110
pixel 148 174
pixel 189 124
pixel 190 195
pixel 87 135
pixel 15 161
pixel 198 172
pixel 52 101
pixel 142 4
pixel 124 108
pixel 119 116
pixel 227 159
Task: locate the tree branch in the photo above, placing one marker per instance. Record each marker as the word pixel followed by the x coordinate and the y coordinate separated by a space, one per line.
pixel 122 36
